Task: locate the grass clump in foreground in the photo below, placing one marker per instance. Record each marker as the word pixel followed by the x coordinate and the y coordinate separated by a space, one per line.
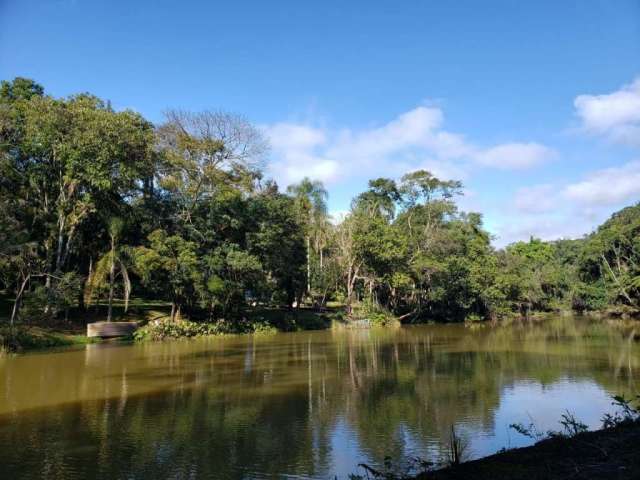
pixel 573 452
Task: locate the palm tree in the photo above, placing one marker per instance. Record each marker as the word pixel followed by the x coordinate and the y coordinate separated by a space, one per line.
pixel 106 268
pixel 311 200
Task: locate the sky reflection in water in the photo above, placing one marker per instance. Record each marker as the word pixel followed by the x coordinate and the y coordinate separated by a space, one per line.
pixel 308 404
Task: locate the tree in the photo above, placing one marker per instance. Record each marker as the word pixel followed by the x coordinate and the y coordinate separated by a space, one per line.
pixel 70 158
pixel 106 267
pixel 230 273
pixel 203 153
pixel 311 203
pixel 278 241
pixel 20 89
pixel 348 257
pixel 612 254
pixel 169 265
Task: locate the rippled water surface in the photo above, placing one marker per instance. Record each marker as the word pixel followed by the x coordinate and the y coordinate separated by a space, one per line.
pixel 311 404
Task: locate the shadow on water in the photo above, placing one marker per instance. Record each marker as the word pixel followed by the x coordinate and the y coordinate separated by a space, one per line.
pixel 311 403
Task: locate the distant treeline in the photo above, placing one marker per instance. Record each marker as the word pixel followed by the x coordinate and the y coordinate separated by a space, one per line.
pixel 96 205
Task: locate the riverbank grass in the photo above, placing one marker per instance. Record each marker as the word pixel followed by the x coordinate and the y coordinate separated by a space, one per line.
pixel 260 321
pixel 21 338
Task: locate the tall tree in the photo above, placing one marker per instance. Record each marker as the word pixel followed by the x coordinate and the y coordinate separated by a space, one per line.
pixel 205 153
pixel 112 264
pixel 169 266
pixel 71 158
pixel 311 202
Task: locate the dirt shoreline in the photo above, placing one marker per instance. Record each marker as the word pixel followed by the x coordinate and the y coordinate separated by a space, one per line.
pixel 612 453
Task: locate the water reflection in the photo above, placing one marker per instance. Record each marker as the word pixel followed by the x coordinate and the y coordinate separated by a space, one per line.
pixel 311 404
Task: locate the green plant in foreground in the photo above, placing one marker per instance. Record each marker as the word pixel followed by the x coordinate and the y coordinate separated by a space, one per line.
pixel 530 431
pixel 457 448
pixel 571 427
pixel 392 471
pixel 627 414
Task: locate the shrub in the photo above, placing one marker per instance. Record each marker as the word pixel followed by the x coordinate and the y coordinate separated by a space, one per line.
pixel 166 329
pixel 162 330
pixel 587 297
pixel 373 312
pixel 473 318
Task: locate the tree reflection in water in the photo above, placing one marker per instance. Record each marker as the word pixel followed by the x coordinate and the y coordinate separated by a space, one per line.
pixel 312 403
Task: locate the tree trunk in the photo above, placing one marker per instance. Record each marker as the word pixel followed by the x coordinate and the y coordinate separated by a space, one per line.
pixel 112 275
pixel 61 224
pixel 623 291
pixel 308 265
pixel 47 286
pixel 16 303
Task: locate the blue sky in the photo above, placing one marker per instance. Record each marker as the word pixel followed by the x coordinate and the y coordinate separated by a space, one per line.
pixel 535 105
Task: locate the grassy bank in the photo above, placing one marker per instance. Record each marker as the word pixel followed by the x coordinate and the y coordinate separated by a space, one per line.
pixel 23 338
pixel 155 324
pixel 254 321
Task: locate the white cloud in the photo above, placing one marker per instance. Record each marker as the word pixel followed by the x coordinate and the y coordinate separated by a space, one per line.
pixel 611 186
pixel 408 130
pixel 413 140
pixel 615 115
pixel 547 228
pixel 536 199
pixel 295 147
pixel 337 216
pixel 290 136
pixel 515 155
pixel 570 210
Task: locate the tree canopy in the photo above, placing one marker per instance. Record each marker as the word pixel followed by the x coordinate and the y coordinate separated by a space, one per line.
pixel 97 203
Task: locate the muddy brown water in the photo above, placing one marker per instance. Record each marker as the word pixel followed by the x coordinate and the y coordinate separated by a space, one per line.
pixel 303 405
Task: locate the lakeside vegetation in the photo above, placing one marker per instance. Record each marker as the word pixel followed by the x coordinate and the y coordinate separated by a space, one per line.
pixel 573 452
pixel 99 205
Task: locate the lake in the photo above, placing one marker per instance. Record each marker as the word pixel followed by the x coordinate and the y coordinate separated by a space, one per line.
pixel 307 404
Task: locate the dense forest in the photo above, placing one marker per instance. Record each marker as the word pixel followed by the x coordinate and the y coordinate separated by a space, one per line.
pixel 98 206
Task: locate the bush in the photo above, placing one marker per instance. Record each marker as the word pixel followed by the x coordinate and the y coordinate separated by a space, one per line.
pixel 473 318
pixel 162 330
pixel 586 297
pixel 166 329
pixel 373 312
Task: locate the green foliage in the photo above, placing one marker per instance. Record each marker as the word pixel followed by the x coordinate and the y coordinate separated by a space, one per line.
pixel 20 89
pixel 43 303
pixel 165 330
pixel 612 255
pixel 168 329
pixel 21 338
pixel 169 265
pixel 102 202
pixel 589 296
pixel 373 312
